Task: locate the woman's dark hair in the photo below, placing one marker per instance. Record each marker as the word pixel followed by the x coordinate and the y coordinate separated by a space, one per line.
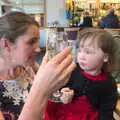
pixel 14 24
pixel 105 41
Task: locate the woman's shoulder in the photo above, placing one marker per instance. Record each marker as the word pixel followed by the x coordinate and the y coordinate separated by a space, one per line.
pixel 5 83
pixel 10 83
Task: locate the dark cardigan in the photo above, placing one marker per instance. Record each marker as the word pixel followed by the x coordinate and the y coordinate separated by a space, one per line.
pixel 101 94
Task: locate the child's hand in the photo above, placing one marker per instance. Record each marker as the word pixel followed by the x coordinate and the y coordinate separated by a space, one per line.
pixel 67 95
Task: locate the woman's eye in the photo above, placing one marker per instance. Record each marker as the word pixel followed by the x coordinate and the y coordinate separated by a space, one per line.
pixel 33 41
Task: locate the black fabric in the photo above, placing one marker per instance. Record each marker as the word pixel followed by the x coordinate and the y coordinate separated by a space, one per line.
pixel 87 22
pixel 101 94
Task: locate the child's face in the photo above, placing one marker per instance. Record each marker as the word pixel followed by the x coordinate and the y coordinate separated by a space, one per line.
pixel 90 57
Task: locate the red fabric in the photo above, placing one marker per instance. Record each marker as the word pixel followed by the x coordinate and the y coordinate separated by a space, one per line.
pixel 78 109
pixel 102 76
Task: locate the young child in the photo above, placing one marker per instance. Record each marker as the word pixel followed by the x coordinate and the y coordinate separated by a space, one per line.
pixel 91 91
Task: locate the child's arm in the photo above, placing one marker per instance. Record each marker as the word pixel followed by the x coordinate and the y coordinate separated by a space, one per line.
pixel 67 95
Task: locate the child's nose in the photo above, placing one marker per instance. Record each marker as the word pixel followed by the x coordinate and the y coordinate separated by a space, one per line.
pixel 82 55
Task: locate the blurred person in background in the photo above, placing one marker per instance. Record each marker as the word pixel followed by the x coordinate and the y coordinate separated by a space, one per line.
pixel 110 20
pixel 86 20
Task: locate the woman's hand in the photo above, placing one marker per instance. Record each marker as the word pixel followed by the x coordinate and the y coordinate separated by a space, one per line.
pixel 67 95
pixel 51 76
pixel 55 73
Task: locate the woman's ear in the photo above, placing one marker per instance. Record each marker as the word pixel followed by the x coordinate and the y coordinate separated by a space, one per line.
pixel 4 44
pixel 106 57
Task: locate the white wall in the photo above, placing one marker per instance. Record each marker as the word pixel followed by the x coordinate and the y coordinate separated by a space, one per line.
pixel 37 7
pixel 29 6
pixel 56 11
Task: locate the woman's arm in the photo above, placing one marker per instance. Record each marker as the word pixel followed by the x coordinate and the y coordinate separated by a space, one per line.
pixel 51 76
pixel 1 116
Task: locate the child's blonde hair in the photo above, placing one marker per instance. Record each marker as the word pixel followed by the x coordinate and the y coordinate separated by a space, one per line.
pixel 104 40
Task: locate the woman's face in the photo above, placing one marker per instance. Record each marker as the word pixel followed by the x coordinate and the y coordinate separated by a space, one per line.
pixel 24 50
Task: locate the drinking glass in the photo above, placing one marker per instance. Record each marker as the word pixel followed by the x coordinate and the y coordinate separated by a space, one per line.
pixel 56 42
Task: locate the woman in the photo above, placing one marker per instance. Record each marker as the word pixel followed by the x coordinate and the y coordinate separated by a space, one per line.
pixel 19 35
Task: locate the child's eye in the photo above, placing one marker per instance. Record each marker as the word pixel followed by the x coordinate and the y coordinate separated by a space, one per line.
pixel 89 52
pixel 86 51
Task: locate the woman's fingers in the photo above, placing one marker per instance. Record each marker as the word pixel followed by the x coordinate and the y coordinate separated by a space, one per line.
pixel 67 73
pixel 65 63
pixel 57 71
pixel 64 76
pixel 69 69
pixel 58 58
pixel 45 59
pixel 62 82
pixel 62 55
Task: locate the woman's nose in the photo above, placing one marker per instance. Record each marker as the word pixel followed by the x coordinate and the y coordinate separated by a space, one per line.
pixel 37 49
